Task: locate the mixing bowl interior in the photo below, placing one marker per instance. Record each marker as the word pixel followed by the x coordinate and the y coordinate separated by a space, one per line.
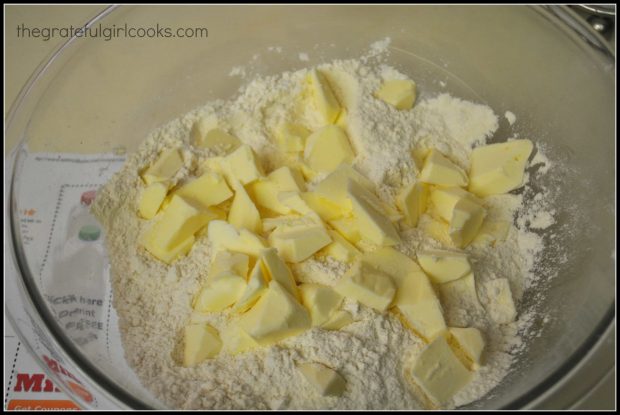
pixel 98 96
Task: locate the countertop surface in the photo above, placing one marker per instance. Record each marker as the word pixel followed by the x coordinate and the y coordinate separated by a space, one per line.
pixel 24 54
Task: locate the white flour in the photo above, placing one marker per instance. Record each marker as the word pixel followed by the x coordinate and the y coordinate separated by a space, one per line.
pixel 153 301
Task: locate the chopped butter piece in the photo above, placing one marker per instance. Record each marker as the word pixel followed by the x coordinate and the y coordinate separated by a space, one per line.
pixel 218 138
pixel 256 286
pixel 445 198
pixel 164 168
pixel 369 286
pixel 169 255
pixel 327 148
pixel 223 235
pixel 294 201
pixel 323 96
pixel 499 302
pixel 242 165
pixel 288 179
pixel 326 381
pixel 334 186
pixel 397 265
pixel 498 168
pixel 235 340
pixel 439 373
pixel 341 121
pixel 338 320
pixel 225 261
pixel 373 225
pixel 201 342
pixel 276 269
pixel 467 218
pixel 276 316
pixel 320 300
pixel 399 93
pixel 492 232
pixel 340 248
pixel 220 291
pixel 201 127
pixel 412 201
pixel 291 138
pixel 468 344
pixel 441 171
pixel 444 266
pixel 326 209
pixel 152 197
pixel 299 243
pixel 462 292
pixel 207 190
pixel 265 193
pixel 243 213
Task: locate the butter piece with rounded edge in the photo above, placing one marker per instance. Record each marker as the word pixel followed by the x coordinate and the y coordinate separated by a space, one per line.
pixel 201 342
pixel 444 266
pixel 467 218
pixel 399 93
pixel 242 165
pixel 369 286
pixel 439 170
pixel 220 291
pixel 165 167
pixel 326 381
pixel 209 189
pixel 320 300
pixel 151 199
pixel 327 148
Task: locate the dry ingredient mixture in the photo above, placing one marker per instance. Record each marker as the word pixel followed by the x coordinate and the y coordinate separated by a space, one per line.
pixel 374 353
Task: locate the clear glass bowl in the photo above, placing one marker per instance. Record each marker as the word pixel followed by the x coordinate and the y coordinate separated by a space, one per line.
pixel 95 96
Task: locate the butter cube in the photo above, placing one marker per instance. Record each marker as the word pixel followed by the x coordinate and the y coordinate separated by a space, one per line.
pixel 243 213
pixel 235 340
pixel 445 198
pixel 225 261
pixel 327 148
pixel 467 344
pixel 462 292
pixel 288 179
pixel 293 201
pixel 395 264
pixel 437 229
pixel 218 139
pixel 326 209
pixel 492 232
pixel 201 127
pixel 321 301
pixel 256 286
pixel 201 342
pixel 438 372
pixel 291 138
pixel 367 285
pixel 340 248
pixel 275 269
pixel 338 320
pixel 499 302
pixel 151 199
pixel 325 381
pixel 164 168
pixel 412 201
pixel 323 96
pixel 399 93
pixel 298 244
pixel 347 227
pixel 373 225
pixel 222 235
pixel 467 218
pixel 219 292
pixel 169 255
pixel 265 193
pixel 334 186
pixel 207 190
pixel 418 304
pixel 242 165
pixel 444 266
pixel 498 168
pixel 276 316
pixel 441 171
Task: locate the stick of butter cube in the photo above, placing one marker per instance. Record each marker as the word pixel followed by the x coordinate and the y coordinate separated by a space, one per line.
pixel 288 179
pixel 256 286
pixel 340 248
pixel 209 189
pixel 243 213
pixel 438 372
pixel 323 96
pixel 165 167
pixel 369 286
pixel 291 138
pixel 498 168
pixel 201 342
pixel 299 243
pixel 217 138
pixel 327 148
pixel 151 199
pixel 396 264
pixel 325 381
pixel 412 201
pixel 399 93
pixel 320 300
pixel 334 186
pixel 276 316
pixel 223 235
pixel 467 344
pixel 444 266
pixel 220 291
pixel 275 269
pixel 445 198
pixel 242 165
pixel 439 170
pixel 467 218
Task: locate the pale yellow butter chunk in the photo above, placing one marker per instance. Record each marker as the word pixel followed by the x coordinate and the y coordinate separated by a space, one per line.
pixel 276 316
pixel 338 320
pixel 326 381
pixel 374 226
pixel 326 209
pixel 334 186
pixel 367 285
pixel 320 300
pixel 444 266
pixel 243 213
pixel 293 201
pixel 223 235
pixel 323 96
pixel 437 229
pixel 171 254
pixel 439 373
pixel 151 199
pixel 288 179
pixel 396 264
pixel 201 342
pixel 217 138
pixel 291 138
pixel 467 218
pixel 439 170
pixel 299 243
pixel 265 193
pixel 209 189
pixel 242 165
pixel 412 201
pixel 201 127
pixel 499 302
pixel 340 248
pixel 327 148
pixel 492 232
pixel 225 261
pixel 256 286
pixel 276 269
pixel 235 340
pixel 399 93
pixel 421 309
pixel 164 168
pixel 498 168
pixel 341 121
pixel 468 344
pixel 444 199
pixel 463 292
pixel 219 292
pixel 347 227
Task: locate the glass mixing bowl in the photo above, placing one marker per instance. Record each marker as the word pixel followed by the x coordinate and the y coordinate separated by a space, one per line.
pixel 95 99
